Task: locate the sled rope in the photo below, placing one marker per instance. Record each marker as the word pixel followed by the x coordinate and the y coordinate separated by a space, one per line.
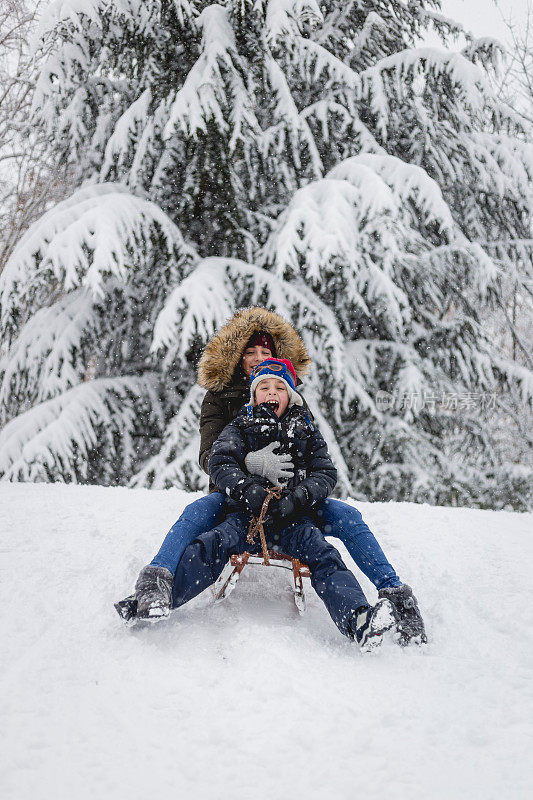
pixel 256 525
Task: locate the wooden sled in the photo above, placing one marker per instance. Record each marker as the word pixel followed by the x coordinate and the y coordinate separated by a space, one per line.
pixel 231 573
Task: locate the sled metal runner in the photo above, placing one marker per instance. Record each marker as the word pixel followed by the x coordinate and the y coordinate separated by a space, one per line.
pixel 225 583
pixel 231 573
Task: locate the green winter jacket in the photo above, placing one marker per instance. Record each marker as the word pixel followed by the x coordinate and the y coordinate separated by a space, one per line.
pixel 218 409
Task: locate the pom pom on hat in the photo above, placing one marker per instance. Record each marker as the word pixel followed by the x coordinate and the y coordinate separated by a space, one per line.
pixel 283 370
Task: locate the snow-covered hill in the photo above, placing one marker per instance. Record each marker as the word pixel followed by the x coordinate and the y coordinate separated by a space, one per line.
pixel 245 699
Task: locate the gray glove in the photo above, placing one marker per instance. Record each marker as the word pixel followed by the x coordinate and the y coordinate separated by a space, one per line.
pixel 275 467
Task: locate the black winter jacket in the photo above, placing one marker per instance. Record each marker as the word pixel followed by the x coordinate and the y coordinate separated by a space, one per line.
pixel 220 408
pixel 253 428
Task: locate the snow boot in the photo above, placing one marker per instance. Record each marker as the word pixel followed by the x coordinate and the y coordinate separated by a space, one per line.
pixel 368 624
pixel 408 617
pixel 153 592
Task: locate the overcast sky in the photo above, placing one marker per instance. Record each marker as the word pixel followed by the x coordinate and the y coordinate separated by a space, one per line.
pixel 483 18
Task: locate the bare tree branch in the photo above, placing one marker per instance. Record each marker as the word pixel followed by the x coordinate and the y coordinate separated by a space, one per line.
pixel 29 183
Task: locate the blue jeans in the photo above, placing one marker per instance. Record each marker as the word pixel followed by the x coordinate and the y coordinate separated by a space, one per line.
pixel 205 558
pixel 198 517
pixel 333 517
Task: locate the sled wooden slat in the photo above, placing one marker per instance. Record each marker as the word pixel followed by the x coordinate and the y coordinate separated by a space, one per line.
pixel 232 571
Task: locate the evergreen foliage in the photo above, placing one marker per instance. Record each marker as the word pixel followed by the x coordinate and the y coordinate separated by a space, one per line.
pixel 305 156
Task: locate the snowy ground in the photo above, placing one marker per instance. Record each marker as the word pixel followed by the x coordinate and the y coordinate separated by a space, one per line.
pixel 245 700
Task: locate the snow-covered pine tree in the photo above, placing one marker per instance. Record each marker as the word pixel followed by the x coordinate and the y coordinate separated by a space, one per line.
pixel 308 157
pixel 509 321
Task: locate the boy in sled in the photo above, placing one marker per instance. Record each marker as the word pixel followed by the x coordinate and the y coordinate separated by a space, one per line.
pixel 248 338
pixel 275 413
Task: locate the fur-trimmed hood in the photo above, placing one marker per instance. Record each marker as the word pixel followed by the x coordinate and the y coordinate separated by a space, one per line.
pixel 223 353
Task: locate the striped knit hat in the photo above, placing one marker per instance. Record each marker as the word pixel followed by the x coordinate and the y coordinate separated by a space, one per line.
pixel 280 368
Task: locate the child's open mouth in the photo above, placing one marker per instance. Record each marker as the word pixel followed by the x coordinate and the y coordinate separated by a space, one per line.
pixel 273 405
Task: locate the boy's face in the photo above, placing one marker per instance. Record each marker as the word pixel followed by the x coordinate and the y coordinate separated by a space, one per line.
pixel 274 393
pixel 253 356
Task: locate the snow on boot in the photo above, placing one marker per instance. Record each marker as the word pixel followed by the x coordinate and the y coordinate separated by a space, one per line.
pixel 153 591
pixel 408 618
pixel 369 624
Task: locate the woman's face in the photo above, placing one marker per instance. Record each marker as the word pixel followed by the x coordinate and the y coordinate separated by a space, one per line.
pixel 274 393
pixel 253 356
